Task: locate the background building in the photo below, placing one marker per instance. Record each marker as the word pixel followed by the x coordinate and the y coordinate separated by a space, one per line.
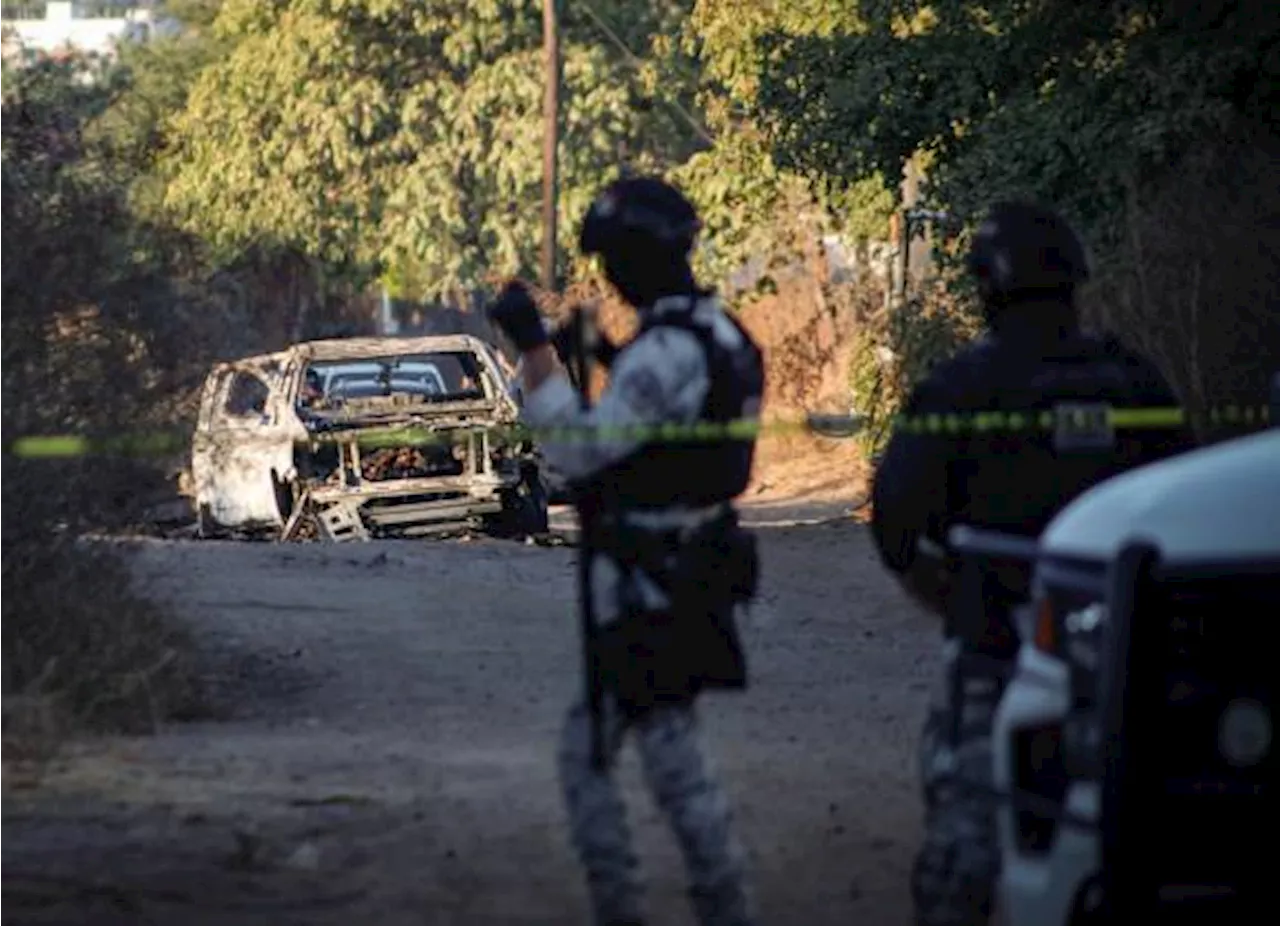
pixel 95 26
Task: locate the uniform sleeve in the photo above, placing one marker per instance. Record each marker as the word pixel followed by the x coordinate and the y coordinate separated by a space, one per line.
pixel 909 495
pixel 661 378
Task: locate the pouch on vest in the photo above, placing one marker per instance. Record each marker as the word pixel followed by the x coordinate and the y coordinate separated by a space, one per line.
pixel 719 565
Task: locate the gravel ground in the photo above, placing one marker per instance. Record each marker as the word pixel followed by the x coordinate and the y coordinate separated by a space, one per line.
pixel 387 750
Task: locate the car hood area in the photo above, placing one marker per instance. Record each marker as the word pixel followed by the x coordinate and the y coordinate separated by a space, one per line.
pixel 1218 503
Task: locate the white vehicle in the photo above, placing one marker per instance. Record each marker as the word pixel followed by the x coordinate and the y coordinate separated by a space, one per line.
pixel 1135 763
pixel 364 437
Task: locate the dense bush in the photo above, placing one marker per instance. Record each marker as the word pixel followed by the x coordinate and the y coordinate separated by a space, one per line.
pixel 86 311
pixel 1151 125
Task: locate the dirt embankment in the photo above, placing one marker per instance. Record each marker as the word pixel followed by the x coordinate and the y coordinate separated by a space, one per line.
pixel 806 343
pixel 805 335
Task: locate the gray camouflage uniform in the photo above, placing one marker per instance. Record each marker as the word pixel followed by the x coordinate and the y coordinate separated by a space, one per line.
pixel 958 861
pixel 662 377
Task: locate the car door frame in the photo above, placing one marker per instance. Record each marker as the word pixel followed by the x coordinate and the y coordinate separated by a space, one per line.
pixel 239 460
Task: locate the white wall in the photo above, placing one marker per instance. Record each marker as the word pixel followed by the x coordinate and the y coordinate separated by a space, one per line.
pixel 62 26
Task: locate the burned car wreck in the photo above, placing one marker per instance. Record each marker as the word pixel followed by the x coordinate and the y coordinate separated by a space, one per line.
pixel 360 438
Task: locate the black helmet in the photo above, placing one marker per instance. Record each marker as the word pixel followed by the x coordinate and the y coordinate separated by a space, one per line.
pixel 639 211
pixel 1022 248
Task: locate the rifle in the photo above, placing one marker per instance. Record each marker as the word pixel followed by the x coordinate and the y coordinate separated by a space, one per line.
pixel 581 326
pixel 581 360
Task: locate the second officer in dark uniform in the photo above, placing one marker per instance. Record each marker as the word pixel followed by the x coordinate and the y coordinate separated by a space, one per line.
pixel 1034 360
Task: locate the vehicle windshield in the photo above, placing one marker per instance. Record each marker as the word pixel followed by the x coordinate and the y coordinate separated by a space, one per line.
pixel 446 376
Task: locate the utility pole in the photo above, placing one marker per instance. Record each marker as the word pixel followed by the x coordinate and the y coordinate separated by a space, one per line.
pixel 550 140
pixel 910 191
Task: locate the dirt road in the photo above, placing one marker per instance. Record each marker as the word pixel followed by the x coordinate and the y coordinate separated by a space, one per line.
pixel 388 754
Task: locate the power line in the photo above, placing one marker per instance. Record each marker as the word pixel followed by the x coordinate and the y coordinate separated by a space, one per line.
pixel 636 62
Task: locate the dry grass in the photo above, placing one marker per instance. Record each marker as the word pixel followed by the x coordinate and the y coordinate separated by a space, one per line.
pixel 82 650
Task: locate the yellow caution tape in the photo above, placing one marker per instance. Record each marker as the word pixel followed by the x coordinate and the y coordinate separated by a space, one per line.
pixel 52 446
pixel 832 426
pixel 1125 419
pixel 70 445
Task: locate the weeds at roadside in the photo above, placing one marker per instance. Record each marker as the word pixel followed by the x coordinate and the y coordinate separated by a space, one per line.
pixel 82 651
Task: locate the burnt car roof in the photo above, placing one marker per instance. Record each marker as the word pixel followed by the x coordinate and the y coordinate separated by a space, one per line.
pixel 357 348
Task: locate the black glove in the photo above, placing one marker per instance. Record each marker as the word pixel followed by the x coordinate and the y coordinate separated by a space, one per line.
pixel 515 315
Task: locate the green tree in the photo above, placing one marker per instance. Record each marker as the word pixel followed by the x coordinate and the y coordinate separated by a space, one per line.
pixel 154 78
pixel 1144 121
pixel 1074 103
pixel 405 139
pixel 755 205
pixel 58 242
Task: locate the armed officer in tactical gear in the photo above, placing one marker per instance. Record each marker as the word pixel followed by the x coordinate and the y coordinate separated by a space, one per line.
pixel 1028 264
pixel 669 562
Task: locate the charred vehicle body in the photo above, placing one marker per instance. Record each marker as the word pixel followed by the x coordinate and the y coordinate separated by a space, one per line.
pixel 365 437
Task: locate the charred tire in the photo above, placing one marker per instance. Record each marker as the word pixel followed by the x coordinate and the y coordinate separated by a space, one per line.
pixel 524 509
pixel 286 496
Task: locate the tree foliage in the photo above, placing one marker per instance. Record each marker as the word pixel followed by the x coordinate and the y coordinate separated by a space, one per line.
pixel 1074 103
pixel 66 234
pixel 84 312
pixel 1121 113
pixel 381 136
pixel 754 204
pixel 153 80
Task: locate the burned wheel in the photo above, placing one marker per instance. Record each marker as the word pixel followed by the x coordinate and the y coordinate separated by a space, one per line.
pixel 308 529
pixel 524 509
pixel 287 494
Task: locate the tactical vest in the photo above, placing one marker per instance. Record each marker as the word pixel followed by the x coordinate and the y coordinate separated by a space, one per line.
pixel 695 471
pixel 1018 481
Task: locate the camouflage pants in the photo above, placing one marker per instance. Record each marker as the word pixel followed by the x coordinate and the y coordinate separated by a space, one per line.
pixel 681 783
pixel 953 882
